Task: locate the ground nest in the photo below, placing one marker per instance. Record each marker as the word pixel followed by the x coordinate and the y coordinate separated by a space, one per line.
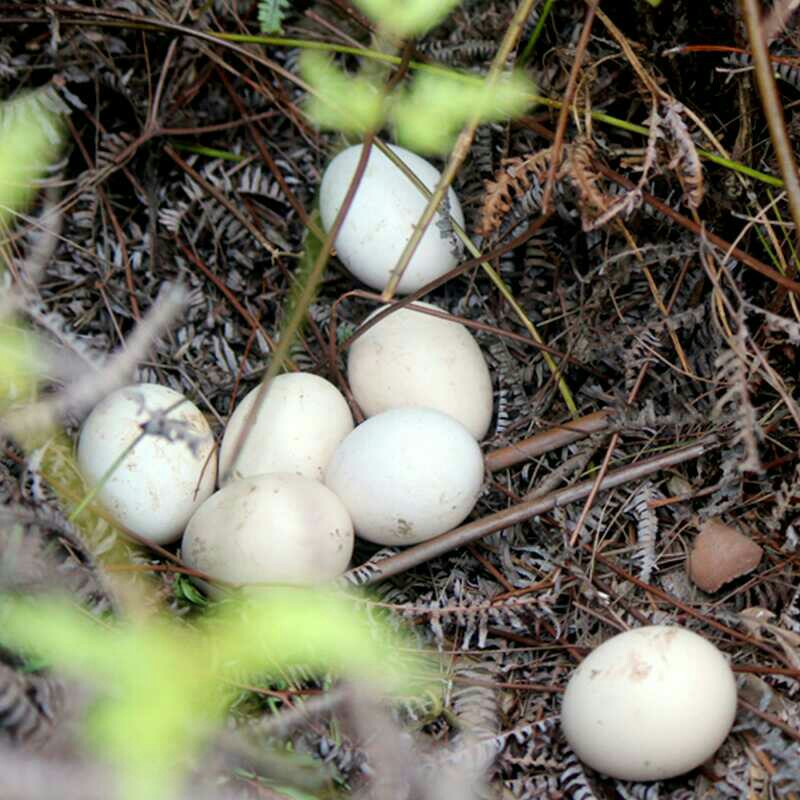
pixel 644 236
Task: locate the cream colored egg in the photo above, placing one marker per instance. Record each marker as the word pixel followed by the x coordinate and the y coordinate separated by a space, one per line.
pixel 299 424
pixel 407 475
pixel 277 528
pixel 382 216
pixel 414 359
pixel 157 486
pixel 649 704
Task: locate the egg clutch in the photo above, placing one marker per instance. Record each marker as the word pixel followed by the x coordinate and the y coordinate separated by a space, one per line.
pixel 297 480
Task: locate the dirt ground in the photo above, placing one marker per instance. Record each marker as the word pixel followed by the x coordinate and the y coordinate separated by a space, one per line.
pixel 658 267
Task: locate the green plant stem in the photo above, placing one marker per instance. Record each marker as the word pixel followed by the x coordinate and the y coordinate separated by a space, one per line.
pixel 281 41
pixel 494 277
pixel 599 116
pixel 89 497
pixel 305 296
pixel 561 382
pixel 537 32
pixel 773 257
pixel 460 150
pixel 211 152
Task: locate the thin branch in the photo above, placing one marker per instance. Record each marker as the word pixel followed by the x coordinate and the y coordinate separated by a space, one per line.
pixel 460 150
pixel 85 391
pixel 472 531
pixel 545 441
pixel 778 18
pixel 772 108
pixel 569 96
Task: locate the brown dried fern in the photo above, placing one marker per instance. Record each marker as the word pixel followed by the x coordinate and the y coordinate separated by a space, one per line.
pixel 734 373
pixel 30 705
pixel 515 177
pixel 685 158
pixel 593 201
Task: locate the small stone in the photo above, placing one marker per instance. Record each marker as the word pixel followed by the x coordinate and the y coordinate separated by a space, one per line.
pixel 720 554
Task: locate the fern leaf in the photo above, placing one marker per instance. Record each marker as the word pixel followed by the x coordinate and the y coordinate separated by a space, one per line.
pixel 271 14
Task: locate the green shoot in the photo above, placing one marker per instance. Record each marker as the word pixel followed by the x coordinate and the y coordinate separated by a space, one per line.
pixel 271 14
pixel 407 18
pixel 172 685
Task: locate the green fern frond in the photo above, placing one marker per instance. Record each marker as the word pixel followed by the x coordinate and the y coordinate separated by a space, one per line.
pixel 271 14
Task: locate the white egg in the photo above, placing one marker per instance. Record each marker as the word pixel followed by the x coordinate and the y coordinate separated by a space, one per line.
pixel 649 704
pixel 413 359
pixel 299 424
pixel 382 216
pixel 407 475
pixel 159 484
pixel 276 528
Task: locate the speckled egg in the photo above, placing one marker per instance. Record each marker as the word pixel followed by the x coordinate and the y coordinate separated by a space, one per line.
pixel 276 528
pixel 156 487
pixel 382 216
pixel 407 475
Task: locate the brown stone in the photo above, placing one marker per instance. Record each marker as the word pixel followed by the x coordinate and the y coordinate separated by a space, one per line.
pixel 720 554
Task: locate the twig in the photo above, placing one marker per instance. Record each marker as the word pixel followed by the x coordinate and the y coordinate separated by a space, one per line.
pixel 27 777
pixel 460 150
pixel 254 324
pixel 34 265
pixel 85 391
pixel 772 108
pixel 497 280
pixel 544 442
pixel 472 531
pixel 569 96
pixel 779 15
pixel 309 288
pixel 303 301
pixel 221 198
pixel 282 724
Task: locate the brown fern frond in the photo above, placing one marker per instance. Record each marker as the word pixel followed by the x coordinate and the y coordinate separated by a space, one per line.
pixel 597 208
pixel 734 369
pixel 685 160
pixel 29 706
pixel 514 178
pixel 586 178
pixel 655 128
pixel 623 205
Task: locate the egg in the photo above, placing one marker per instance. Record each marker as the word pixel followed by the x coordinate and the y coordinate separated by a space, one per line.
pixel 649 704
pixel 414 359
pixel 407 475
pixel 299 424
pixel 157 486
pixel 277 528
pixel 382 216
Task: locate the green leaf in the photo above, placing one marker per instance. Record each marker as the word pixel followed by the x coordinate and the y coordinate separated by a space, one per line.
pixel 271 14
pixel 26 148
pixel 407 17
pixel 429 116
pixel 286 626
pixel 186 590
pixel 20 364
pixel 341 102
pixel 167 684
